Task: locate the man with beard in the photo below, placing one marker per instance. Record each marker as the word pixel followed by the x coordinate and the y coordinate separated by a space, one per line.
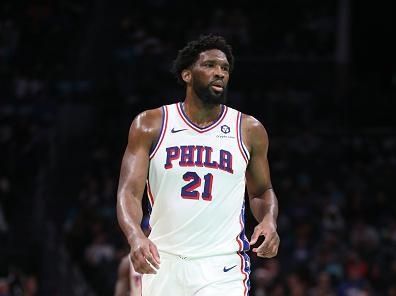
pixel 196 158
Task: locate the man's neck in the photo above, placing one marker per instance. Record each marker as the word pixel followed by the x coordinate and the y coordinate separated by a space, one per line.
pixel 200 113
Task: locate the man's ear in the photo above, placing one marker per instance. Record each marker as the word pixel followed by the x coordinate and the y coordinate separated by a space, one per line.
pixel 186 75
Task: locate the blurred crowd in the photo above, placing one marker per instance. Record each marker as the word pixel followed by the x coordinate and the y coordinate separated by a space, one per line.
pixel 337 220
pixel 34 41
pixel 74 74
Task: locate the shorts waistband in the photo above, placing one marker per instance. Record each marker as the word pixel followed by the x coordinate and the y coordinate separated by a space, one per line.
pixel 167 255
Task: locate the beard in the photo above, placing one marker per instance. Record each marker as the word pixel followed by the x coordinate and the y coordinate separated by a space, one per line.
pixel 209 96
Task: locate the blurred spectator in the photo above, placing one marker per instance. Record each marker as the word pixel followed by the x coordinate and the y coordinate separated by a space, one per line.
pixel 296 284
pixel 323 285
pixel 356 273
pixel 100 250
pixel 4 287
pixel 30 285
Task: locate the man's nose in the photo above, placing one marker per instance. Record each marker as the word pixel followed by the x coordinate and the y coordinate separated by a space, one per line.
pixel 219 72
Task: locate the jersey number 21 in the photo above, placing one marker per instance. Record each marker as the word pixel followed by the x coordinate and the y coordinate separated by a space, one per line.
pixel 188 191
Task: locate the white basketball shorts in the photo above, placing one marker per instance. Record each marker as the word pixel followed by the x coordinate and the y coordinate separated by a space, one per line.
pixel 209 276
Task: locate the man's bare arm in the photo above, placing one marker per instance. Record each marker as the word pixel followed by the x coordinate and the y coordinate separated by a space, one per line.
pixel 262 198
pixel 134 169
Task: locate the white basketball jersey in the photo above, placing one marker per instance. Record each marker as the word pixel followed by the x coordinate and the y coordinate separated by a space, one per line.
pixel 196 185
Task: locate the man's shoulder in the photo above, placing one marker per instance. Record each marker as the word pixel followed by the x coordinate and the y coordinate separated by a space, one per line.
pixel 244 115
pixel 248 120
pixel 253 129
pixel 155 113
pixel 149 118
pixel 150 113
pixel 251 121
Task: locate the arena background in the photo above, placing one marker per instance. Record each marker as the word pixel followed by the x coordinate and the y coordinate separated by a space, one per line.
pixel 320 75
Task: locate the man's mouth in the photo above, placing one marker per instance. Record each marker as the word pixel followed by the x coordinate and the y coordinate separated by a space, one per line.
pixel 217 86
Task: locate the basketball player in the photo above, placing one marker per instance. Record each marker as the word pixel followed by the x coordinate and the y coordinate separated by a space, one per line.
pixel 128 280
pixel 197 156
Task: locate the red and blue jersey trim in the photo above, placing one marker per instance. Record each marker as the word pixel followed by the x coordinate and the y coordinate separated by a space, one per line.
pixel 241 146
pixel 245 270
pixel 150 194
pixel 242 240
pixel 197 128
pixel 150 199
pixel 243 247
pixel 162 132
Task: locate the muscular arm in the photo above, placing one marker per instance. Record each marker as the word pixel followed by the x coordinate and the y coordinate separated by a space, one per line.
pixel 134 168
pixel 262 198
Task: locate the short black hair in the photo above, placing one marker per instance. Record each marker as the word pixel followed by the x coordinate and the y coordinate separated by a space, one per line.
pixel 190 53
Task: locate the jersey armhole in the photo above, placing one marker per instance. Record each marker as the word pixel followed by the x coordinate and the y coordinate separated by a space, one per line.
pixel 164 123
pixel 242 147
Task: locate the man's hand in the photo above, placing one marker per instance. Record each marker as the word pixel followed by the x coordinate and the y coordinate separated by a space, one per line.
pixel 144 255
pixel 270 245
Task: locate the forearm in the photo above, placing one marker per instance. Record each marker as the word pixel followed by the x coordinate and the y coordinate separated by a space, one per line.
pixel 265 206
pixel 129 215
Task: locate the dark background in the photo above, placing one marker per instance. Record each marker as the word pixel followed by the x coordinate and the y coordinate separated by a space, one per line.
pixel 320 76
